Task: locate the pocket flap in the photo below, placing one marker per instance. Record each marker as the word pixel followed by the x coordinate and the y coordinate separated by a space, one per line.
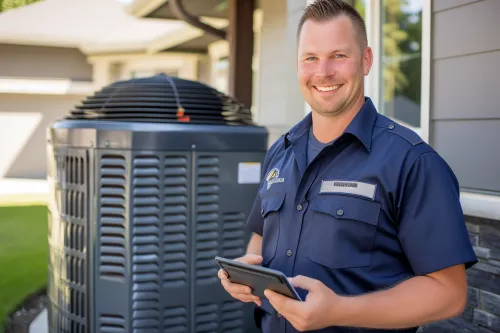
pixel 271 203
pixel 345 207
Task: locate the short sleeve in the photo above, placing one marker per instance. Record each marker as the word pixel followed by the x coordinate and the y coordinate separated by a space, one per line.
pixel 432 228
pixel 255 222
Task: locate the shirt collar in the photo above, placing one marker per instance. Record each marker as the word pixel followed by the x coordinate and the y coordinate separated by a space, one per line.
pixel 361 126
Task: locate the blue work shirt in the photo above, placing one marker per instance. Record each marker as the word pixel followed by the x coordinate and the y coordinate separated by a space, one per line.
pixel 375 207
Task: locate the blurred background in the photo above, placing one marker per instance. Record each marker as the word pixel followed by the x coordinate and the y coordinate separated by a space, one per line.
pixel 436 71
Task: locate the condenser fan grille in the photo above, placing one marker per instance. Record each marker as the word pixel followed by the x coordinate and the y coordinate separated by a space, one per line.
pixel 162 99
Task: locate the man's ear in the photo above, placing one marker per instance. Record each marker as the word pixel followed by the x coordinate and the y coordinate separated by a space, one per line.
pixel 367 60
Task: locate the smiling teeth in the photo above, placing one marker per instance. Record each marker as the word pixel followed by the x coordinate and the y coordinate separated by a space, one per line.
pixel 328 88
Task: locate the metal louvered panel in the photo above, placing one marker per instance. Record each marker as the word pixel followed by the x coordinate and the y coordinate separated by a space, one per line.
pixel 175 222
pixel 164 99
pixel 68 225
pixel 206 318
pixel 112 263
pixel 175 320
pixel 110 323
pixel 207 218
pixel 146 244
pixel 231 317
pixel 233 233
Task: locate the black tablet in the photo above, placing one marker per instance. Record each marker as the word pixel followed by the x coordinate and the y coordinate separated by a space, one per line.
pixel 258 278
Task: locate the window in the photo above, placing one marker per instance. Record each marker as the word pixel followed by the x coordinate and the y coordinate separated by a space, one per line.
pixel 395 32
pixel 221 75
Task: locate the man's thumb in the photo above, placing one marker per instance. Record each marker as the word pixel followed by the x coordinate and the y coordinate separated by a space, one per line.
pixel 303 282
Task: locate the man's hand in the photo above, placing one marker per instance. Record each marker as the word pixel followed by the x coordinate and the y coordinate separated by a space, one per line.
pixel 315 312
pixel 238 291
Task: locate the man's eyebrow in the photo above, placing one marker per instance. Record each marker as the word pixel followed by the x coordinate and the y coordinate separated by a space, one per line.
pixel 339 50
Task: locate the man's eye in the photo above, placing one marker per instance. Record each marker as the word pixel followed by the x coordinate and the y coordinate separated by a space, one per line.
pixel 339 56
pixel 310 58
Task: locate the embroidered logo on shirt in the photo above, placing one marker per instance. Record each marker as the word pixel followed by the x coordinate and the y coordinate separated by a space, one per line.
pixel 350 187
pixel 273 177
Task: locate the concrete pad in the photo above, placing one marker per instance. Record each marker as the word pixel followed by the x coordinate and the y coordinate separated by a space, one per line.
pixel 41 323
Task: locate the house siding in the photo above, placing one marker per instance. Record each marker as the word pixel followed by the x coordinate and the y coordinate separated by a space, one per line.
pixel 23 123
pixel 25 61
pixel 25 117
pixel 465 115
pixel 465 130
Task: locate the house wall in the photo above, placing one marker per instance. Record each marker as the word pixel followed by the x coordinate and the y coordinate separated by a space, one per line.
pixel 465 130
pixel 44 62
pixel 465 114
pixel 23 123
pixel 24 114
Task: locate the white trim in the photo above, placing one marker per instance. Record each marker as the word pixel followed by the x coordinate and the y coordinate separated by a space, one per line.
pixel 425 79
pixel 374 80
pixel 480 205
pixel 10 85
pixel 142 8
pixel 99 48
pixel 119 57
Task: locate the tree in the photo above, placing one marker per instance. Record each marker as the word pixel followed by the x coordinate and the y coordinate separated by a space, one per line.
pixel 394 80
pixel 11 4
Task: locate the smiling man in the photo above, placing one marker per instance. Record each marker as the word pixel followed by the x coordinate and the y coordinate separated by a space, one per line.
pixel 365 217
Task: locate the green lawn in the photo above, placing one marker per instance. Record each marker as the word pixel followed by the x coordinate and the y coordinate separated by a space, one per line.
pixel 23 255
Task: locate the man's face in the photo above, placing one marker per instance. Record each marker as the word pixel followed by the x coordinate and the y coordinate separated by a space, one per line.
pixel 331 65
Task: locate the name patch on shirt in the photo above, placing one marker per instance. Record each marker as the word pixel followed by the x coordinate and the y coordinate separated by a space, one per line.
pixel 349 187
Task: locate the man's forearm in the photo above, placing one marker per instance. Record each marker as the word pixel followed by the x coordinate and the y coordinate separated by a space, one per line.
pixel 255 244
pixel 414 302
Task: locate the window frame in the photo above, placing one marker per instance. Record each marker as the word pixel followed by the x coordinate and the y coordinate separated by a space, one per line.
pixel 373 82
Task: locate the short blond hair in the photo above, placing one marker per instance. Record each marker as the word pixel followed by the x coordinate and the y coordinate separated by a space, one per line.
pixel 324 10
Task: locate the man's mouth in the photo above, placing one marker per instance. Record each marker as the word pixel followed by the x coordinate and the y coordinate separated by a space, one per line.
pixel 328 88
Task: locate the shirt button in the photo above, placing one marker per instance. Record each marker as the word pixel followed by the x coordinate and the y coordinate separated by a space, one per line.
pixel 340 212
pixel 391 126
pixel 279 315
pixel 262 211
pixel 289 253
pixel 299 207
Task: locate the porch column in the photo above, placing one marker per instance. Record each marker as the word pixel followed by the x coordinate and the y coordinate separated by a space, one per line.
pixel 280 104
pixel 240 35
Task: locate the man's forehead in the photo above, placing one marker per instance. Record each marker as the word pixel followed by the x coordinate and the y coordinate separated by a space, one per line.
pixel 338 33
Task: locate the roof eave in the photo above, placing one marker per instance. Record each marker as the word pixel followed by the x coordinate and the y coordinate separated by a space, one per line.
pixel 142 8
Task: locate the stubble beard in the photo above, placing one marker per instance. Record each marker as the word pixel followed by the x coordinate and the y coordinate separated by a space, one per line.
pixel 339 107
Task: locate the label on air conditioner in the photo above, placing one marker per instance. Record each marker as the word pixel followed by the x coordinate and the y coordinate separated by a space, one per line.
pixel 249 173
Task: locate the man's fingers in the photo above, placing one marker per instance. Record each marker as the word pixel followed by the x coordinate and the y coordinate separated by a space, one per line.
pixel 251 259
pixel 245 297
pixel 286 306
pixel 275 299
pixel 222 274
pixel 234 288
pixel 304 282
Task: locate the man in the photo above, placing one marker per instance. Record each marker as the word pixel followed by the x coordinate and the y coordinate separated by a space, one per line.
pixel 360 212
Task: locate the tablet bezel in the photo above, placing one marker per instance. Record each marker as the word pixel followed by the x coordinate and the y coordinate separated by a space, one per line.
pixel 254 271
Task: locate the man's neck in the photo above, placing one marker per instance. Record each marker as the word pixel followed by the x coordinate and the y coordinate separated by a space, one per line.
pixel 328 128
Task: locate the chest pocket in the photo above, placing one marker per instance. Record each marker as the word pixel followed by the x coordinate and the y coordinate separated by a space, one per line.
pixel 271 206
pixel 343 231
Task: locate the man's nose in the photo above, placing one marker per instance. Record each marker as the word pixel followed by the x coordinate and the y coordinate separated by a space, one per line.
pixel 325 69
